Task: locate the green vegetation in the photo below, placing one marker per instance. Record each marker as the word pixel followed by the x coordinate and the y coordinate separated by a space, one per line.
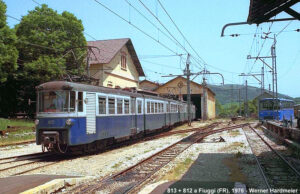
pixel 18 131
pixel 229 93
pixel 15 123
pixel 179 170
pixel 232 109
pixel 8 51
pixel 41 43
pixel 116 165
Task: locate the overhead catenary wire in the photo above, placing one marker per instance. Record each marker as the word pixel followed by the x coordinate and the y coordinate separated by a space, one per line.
pixel 180 31
pixel 155 26
pixel 136 27
pixel 182 47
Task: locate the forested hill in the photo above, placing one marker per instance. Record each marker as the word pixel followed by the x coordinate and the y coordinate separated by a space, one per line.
pixel 230 92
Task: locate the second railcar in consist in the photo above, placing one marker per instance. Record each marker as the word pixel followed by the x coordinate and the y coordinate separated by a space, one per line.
pixel 79 117
pixel 272 109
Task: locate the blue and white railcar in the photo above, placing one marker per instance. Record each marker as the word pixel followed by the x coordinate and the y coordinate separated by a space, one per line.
pixel 80 117
pixel 272 109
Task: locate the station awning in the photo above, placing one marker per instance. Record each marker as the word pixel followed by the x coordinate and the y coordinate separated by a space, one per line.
pixel 262 10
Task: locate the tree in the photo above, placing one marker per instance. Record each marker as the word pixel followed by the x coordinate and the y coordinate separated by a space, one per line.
pixel 8 51
pixel 44 39
pixel 8 65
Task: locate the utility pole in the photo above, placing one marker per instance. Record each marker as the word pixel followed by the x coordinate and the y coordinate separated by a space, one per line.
pixel 240 102
pixel 246 103
pixel 204 99
pixel 274 66
pixel 188 74
pixel 262 79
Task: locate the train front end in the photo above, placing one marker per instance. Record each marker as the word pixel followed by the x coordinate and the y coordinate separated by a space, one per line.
pixel 57 115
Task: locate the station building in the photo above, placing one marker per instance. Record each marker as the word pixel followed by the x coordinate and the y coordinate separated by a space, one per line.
pixel 114 63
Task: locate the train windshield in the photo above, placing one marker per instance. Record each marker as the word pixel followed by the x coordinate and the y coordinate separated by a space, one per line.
pixel 57 101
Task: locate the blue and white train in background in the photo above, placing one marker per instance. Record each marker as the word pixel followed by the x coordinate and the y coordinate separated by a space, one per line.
pixel 75 117
pixel 280 109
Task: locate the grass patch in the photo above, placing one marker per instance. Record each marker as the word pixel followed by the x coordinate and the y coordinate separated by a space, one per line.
pixel 3 123
pixel 20 130
pixel 11 139
pixel 117 165
pixel 129 158
pixel 234 133
pixel 233 146
pixel 180 169
pixel 146 151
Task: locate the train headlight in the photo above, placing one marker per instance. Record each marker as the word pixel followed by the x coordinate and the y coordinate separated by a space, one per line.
pixel 69 122
pixel 36 122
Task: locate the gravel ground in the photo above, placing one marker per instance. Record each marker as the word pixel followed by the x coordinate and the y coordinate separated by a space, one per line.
pixel 229 161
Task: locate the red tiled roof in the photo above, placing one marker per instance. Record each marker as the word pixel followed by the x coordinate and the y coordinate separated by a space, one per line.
pixel 109 49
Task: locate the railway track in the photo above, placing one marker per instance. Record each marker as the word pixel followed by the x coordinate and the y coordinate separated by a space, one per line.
pixel 130 179
pixel 29 162
pixel 40 160
pixel 278 173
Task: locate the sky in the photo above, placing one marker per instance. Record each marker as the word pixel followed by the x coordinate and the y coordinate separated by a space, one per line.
pixel 201 22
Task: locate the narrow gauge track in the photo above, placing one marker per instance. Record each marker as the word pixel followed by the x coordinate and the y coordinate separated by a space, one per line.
pixel 277 172
pixel 33 163
pixel 131 178
pixel 52 159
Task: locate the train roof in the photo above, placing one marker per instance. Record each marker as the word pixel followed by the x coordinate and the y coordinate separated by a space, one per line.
pixel 280 99
pixel 64 85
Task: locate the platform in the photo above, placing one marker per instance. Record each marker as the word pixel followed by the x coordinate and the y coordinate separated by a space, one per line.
pixel 18 184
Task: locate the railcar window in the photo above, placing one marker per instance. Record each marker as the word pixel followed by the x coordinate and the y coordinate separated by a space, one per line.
pixel 80 102
pixel 126 106
pixel 119 106
pixel 111 105
pixel 168 107
pixel 72 101
pixel 102 105
pixel 148 107
pixel 155 107
pixel 139 107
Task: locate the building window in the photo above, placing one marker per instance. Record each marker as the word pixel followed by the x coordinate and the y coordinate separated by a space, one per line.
pixel 111 105
pixel 102 105
pixel 80 102
pixel 123 62
pixel 126 106
pixel 119 106
pixel 109 84
pixel 152 107
pixel 148 107
pixel 139 107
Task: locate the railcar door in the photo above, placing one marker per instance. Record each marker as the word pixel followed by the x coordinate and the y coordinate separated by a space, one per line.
pixel 133 116
pixel 90 113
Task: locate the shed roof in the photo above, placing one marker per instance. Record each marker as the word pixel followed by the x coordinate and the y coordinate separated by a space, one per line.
pixel 262 10
pixel 110 48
